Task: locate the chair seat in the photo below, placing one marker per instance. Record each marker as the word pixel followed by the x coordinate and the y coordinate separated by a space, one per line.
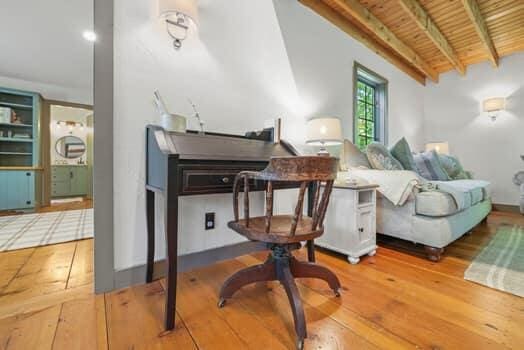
pixel 279 230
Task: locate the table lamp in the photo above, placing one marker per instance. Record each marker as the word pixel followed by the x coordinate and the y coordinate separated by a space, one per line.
pixel 439 147
pixel 324 131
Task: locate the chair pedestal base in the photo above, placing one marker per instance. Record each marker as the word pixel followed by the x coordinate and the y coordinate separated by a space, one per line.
pixel 281 265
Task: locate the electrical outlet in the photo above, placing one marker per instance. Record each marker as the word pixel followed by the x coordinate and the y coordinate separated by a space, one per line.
pixel 210 221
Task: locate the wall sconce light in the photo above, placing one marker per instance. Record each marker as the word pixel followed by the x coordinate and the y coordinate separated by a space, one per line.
pixel 493 105
pixel 69 124
pixel 179 16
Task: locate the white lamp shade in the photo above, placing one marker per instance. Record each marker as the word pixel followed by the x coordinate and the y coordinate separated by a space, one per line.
pixel 439 147
pixel 493 104
pixel 324 131
pixel 167 8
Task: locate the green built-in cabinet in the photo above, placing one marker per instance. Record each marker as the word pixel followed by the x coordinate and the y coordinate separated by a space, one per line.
pixel 19 149
pixel 68 180
pixel 17 189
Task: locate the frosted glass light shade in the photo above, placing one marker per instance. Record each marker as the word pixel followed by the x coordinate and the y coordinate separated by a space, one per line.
pixel 493 104
pixel 168 8
pixel 439 147
pixel 324 131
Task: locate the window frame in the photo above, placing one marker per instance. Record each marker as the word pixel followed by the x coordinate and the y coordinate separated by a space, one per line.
pixel 380 84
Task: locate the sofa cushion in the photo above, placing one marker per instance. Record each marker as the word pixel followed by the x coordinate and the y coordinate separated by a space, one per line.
pixel 402 153
pixel 429 167
pixel 352 157
pixel 435 204
pixel 380 158
pixel 452 167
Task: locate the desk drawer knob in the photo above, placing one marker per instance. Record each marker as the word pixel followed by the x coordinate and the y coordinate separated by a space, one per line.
pixel 225 179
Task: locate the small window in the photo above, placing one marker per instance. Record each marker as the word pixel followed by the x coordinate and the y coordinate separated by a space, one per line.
pixel 370 107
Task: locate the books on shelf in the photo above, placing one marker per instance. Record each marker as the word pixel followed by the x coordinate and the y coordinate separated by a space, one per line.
pixel 5 115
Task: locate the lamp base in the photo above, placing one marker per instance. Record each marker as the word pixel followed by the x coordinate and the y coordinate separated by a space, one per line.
pixel 323 152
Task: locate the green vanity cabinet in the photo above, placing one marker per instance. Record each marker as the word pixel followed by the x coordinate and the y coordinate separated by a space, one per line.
pixel 69 180
pixel 17 189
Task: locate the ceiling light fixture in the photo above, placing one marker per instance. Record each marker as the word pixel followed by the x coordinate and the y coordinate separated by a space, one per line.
pixel 89 35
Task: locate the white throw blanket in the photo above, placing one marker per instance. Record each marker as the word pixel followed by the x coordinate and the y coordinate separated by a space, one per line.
pixel 395 185
pixel 461 189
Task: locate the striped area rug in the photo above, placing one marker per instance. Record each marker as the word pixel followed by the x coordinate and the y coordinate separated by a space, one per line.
pixel 32 230
pixel 500 265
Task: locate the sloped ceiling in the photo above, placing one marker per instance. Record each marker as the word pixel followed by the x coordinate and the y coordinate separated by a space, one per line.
pixel 41 41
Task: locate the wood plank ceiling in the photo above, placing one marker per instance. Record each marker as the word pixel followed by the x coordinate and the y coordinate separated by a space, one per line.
pixel 427 37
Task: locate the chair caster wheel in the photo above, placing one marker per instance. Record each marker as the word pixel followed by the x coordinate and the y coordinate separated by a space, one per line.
pixel 221 302
pixel 337 292
pixel 300 344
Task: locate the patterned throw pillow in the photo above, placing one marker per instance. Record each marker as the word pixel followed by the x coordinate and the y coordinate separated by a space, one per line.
pixel 452 167
pixel 429 167
pixel 380 158
pixel 353 157
pixel 402 153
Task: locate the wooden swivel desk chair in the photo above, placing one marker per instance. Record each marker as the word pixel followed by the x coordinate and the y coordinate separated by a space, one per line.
pixel 284 233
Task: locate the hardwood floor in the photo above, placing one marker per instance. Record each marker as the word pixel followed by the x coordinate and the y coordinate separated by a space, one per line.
pixel 394 300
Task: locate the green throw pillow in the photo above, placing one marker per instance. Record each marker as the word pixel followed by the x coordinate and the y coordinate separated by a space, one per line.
pixel 402 153
pixel 380 158
pixel 452 167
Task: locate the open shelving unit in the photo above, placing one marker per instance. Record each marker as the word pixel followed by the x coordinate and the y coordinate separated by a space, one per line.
pixel 19 148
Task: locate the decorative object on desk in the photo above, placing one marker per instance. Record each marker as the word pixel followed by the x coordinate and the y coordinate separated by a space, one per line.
pixel 276 125
pixel 181 16
pixel 5 115
pixel 441 147
pixel 325 131
pixel 493 106
pixel 70 147
pixel 197 116
pixel 170 122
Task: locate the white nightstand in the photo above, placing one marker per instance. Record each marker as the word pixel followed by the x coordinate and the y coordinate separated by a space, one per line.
pixel 350 224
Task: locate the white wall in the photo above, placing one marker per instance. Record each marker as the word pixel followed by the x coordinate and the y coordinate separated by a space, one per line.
pixel 50 91
pixel 322 58
pixel 238 75
pixel 242 68
pixel 453 113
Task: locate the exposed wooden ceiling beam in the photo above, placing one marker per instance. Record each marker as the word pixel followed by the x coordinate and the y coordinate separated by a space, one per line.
pixel 365 18
pixel 473 11
pixel 342 23
pixel 424 21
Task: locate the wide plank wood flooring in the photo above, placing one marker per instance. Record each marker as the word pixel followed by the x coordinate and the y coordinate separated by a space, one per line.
pixel 394 300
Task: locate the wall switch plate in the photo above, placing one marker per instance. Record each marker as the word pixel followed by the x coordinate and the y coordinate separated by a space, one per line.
pixel 210 221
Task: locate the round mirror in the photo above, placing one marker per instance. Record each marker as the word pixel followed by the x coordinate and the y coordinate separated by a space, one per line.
pixel 70 147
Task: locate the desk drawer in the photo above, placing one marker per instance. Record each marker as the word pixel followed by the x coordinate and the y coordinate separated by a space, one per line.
pixel 212 180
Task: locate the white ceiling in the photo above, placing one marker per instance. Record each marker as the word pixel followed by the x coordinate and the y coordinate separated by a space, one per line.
pixel 41 41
